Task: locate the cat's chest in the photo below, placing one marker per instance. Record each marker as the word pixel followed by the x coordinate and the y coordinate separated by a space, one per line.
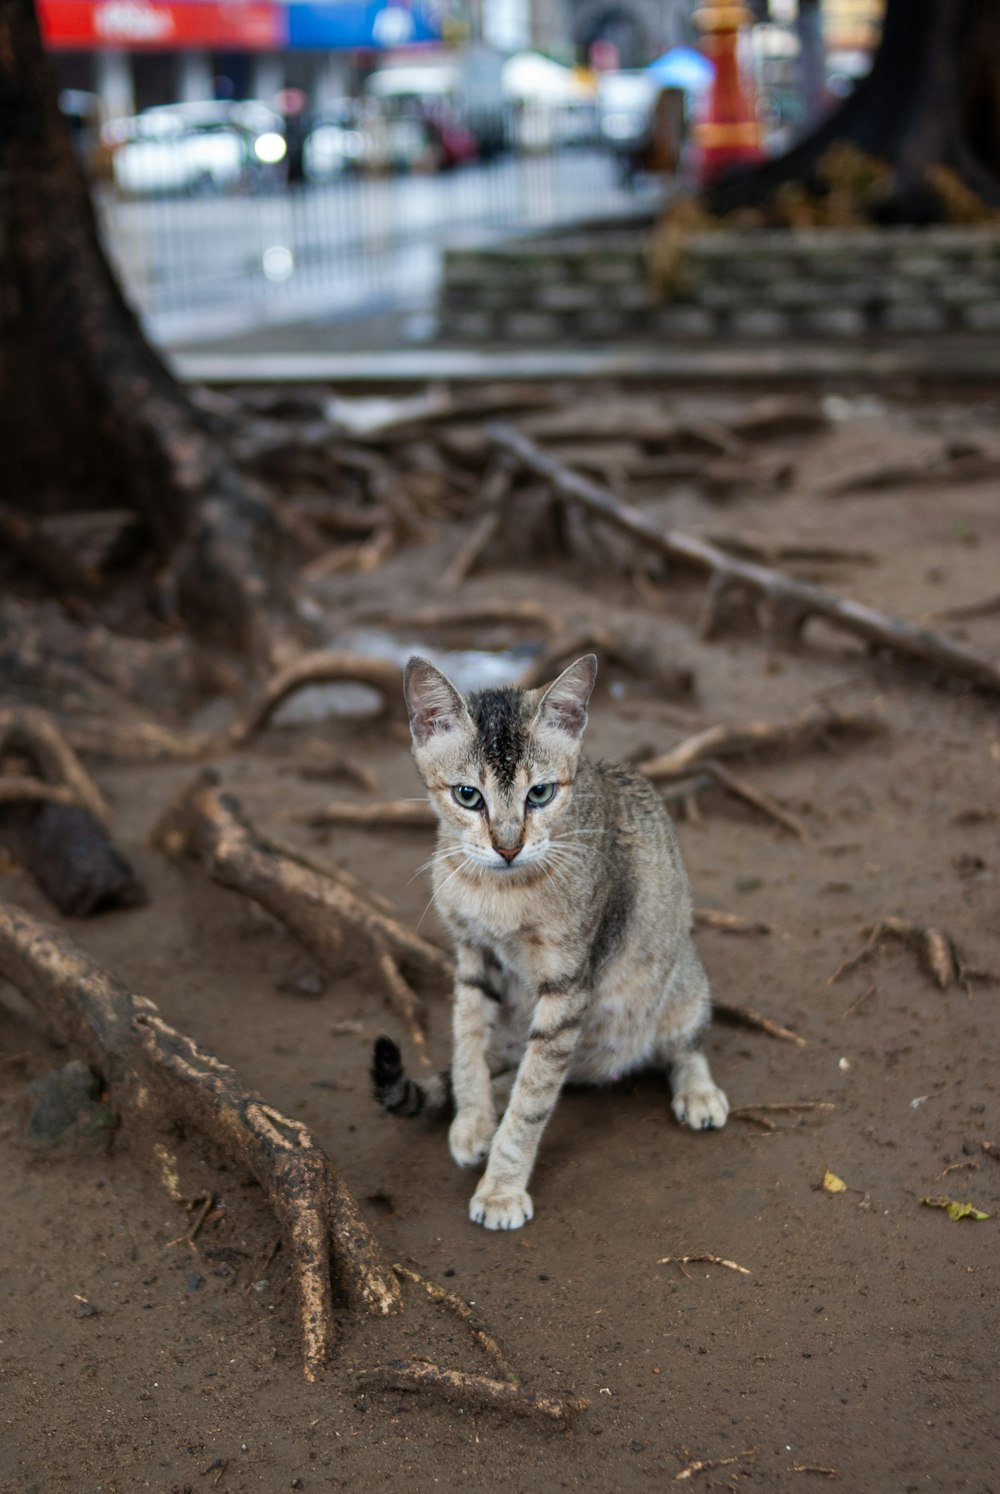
pixel 514 923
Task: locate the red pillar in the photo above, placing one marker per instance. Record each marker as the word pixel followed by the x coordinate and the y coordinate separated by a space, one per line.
pixel 729 132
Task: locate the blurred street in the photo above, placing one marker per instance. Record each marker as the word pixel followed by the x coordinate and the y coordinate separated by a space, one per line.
pixel 205 266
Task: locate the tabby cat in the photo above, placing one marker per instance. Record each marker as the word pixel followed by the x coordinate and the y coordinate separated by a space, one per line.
pixel 562 885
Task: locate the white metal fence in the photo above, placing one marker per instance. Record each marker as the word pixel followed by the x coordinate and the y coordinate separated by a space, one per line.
pixel 199 265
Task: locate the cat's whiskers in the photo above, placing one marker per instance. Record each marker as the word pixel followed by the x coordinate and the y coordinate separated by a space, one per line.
pixel 443 853
pixel 463 864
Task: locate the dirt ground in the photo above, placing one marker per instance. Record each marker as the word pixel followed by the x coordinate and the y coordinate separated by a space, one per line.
pixel 861 1347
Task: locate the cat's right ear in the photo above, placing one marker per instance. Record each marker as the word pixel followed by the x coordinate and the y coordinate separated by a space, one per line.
pixel 434 704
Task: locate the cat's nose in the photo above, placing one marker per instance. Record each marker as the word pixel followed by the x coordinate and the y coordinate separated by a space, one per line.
pixel 508 856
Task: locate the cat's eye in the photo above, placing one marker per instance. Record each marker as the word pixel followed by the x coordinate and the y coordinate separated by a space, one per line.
pixel 467 796
pixel 541 793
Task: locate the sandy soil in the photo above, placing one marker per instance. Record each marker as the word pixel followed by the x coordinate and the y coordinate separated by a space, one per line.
pixel 861 1346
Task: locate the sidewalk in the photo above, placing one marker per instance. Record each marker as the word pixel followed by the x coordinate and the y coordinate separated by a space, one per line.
pixel 383 349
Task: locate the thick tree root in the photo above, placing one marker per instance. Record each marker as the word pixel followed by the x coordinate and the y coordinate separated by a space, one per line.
pixel 815 724
pixel 333 921
pixel 394 814
pixel 318 669
pixel 136 740
pixel 156 1073
pixel 786 604
pixel 32 734
pixel 475 1391
pixel 492 504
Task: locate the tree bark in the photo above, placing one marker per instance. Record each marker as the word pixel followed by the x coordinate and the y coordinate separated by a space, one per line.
pixel 932 98
pixel 90 410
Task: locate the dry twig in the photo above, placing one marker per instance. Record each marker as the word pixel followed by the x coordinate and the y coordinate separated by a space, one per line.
pixel 728 923
pixel 759 1114
pixel 471 1390
pixel 937 951
pixel 744 1016
pixel 703 1465
pixel 703 1257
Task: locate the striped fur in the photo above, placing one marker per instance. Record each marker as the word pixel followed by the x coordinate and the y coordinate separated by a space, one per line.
pixel 571 919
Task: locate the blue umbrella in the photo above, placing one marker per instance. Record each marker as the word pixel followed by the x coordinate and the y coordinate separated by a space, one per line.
pixel 682 67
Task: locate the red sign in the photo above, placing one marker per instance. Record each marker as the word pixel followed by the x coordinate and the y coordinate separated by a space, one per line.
pixel 165 25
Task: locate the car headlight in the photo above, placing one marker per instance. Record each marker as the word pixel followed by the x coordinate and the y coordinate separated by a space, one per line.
pixel 270 148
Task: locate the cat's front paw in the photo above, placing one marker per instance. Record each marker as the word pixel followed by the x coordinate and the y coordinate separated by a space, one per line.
pixel 703 1109
pixel 470 1137
pixel 506 1208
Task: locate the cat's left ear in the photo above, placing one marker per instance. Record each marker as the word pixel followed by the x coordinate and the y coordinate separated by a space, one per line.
pixel 563 707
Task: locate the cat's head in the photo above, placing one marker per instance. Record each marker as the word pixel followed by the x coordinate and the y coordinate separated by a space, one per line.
pixel 499 764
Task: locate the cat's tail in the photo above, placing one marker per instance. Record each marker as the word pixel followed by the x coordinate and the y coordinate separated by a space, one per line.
pixel 401 1095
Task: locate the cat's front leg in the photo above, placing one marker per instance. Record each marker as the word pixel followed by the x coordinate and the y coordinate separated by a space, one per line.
pixel 502 1200
pixel 474 1015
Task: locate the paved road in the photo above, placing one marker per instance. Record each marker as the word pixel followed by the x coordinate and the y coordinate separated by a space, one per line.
pixel 197 266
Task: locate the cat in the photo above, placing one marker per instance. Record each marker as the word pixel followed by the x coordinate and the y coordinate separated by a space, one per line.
pixel 561 883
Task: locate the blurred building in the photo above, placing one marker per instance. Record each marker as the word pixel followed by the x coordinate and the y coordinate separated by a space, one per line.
pixel 137 53
pixel 133 54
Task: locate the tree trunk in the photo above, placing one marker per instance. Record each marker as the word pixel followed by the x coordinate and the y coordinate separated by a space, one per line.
pixel 932 98
pixel 90 411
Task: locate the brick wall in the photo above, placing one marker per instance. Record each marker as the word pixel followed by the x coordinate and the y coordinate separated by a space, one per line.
pixel 771 284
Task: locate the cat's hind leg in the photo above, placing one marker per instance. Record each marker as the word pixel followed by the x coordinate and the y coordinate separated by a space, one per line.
pixel 698 1101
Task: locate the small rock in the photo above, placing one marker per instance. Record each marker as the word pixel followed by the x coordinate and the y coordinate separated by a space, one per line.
pixel 194 1282
pixel 85 1309
pixel 637 1446
pixel 65 1103
pixel 309 984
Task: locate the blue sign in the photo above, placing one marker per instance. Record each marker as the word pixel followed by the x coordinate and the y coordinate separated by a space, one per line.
pixel 339 25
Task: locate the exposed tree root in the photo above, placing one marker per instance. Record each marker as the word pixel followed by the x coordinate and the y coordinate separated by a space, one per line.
pixel 785 603
pixel 461 1309
pixel 740 789
pixel 394 814
pixel 158 1074
pixel 500 613
pixel 56 822
pixel 135 741
pixel 937 952
pixel 617 645
pixel 475 1391
pixel 815 724
pixel 33 734
pixel 334 922
pixel 319 668
pixel 491 503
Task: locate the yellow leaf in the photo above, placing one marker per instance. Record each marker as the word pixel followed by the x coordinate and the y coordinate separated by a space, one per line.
pixel 955 1210
pixel 833 1184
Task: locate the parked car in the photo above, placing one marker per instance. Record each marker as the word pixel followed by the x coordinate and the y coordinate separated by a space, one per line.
pixel 205 146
